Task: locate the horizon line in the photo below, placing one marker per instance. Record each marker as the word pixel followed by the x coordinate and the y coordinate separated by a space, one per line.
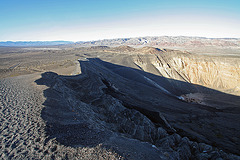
pixel 114 38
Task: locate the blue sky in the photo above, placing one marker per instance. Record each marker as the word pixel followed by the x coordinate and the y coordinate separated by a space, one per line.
pixel 82 20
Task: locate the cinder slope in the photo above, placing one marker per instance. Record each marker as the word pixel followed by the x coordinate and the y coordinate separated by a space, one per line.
pixel 109 101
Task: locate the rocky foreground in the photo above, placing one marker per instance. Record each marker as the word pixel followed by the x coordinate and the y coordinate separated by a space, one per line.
pixel 134 104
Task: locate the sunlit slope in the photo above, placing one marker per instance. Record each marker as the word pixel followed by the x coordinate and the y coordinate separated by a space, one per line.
pixel 220 73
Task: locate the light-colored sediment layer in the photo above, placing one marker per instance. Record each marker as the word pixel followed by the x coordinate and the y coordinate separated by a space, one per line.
pixel 214 73
pixel 218 73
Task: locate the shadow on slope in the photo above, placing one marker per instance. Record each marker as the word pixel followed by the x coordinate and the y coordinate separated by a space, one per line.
pixel 109 99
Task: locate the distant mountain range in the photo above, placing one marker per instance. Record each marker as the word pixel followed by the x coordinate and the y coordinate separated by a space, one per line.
pixel 166 41
pixel 158 41
pixel 33 43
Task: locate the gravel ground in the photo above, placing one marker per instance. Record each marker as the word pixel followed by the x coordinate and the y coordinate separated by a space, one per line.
pixel 22 130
